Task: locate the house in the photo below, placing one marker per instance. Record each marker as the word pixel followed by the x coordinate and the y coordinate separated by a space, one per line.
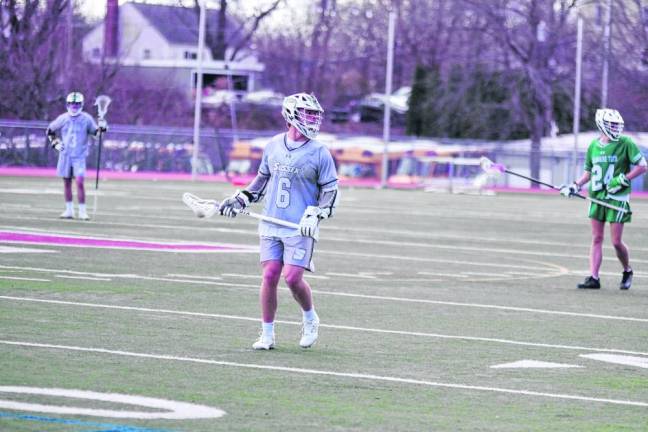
pixel 161 42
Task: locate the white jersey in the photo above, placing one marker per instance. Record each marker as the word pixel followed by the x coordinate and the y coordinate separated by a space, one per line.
pixel 75 133
pixel 297 176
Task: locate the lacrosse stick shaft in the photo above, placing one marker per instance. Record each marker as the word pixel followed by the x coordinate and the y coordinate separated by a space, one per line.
pixel 99 159
pixel 549 185
pixel 268 219
pixel 531 179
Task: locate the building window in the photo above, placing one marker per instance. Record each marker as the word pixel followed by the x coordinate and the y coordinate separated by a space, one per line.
pixel 96 52
pixel 190 55
pixel 147 54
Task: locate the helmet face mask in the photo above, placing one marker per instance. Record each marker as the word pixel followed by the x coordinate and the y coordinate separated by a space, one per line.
pixel 74 103
pixel 609 122
pixel 304 112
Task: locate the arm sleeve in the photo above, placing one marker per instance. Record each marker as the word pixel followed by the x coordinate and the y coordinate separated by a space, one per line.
pixel 93 129
pixel 328 201
pixel 588 159
pixel 635 155
pixel 328 184
pixel 256 189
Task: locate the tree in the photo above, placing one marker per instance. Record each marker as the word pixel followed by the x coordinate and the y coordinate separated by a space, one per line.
pixel 530 32
pixel 219 38
pixel 417 99
pixel 29 57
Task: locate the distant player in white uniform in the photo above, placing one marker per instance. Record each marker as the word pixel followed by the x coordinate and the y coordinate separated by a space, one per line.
pixel 75 128
pixel 298 179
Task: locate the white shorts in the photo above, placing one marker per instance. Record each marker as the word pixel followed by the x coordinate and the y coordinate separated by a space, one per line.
pixel 68 167
pixel 297 250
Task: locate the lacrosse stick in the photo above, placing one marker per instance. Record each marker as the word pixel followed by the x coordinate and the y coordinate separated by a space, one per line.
pixel 102 103
pixel 491 167
pixel 208 208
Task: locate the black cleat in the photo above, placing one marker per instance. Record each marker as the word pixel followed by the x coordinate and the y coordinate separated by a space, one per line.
pixel 590 283
pixel 626 280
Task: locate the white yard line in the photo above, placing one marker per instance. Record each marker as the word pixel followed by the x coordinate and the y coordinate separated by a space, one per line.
pixel 352 375
pixel 332 326
pixel 342 294
pixel 25 279
pixel 186 276
pixel 82 277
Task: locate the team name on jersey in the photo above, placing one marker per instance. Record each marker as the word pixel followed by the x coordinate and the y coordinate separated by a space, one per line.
pixel 286 168
pixel 605 159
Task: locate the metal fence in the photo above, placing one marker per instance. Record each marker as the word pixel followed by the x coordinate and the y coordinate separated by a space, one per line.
pixel 169 150
pixel 125 148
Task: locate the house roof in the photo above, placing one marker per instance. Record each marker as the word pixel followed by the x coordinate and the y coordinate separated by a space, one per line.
pixel 179 25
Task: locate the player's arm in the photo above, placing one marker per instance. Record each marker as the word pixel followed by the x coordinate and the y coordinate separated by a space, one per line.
pixel 254 192
pixel 569 190
pixel 639 167
pixel 50 132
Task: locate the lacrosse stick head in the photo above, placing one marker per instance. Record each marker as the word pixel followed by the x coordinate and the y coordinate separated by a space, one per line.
pixel 102 103
pixel 202 208
pixel 491 167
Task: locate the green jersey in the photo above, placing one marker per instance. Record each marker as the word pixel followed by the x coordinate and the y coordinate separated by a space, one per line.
pixel 604 162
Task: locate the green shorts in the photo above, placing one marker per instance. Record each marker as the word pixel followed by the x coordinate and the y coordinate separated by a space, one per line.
pixel 605 214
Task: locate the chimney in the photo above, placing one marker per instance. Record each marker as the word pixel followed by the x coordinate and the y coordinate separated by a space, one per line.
pixel 111 29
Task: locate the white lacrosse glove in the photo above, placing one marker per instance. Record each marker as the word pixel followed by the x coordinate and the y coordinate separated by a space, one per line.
pixel 229 206
pixel 309 223
pixel 102 125
pixel 569 190
pixel 57 144
pixel 617 183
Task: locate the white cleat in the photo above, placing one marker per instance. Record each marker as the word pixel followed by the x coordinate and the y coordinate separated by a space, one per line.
pixel 310 330
pixel 67 214
pixel 84 216
pixel 264 342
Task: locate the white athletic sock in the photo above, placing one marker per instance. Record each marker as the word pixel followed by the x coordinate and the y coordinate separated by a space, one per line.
pixel 69 205
pixel 268 328
pixel 309 314
pixel 82 208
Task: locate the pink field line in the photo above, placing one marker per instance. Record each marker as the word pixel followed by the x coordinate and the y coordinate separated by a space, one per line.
pixel 242 180
pixel 57 240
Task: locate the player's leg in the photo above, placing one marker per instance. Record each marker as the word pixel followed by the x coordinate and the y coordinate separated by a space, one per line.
pixel 622 253
pixel 268 292
pixel 81 197
pixel 596 255
pixel 300 289
pixel 64 170
pixel 298 253
pixel 79 170
pixel 271 252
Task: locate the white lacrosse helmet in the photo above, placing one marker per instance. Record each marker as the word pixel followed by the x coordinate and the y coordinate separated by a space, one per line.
pixel 303 111
pixel 609 122
pixel 74 103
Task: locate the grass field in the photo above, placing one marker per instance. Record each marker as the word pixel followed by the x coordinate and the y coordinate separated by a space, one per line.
pixel 419 294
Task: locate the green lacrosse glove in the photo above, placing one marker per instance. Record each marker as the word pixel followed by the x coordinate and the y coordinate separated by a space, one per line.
pixel 617 183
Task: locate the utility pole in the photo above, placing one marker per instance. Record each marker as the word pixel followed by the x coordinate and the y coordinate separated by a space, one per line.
pixel 577 93
pixel 606 54
pixel 388 92
pixel 69 36
pixel 199 90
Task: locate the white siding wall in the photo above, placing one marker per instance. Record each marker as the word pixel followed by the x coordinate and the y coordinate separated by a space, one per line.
pixel 136 35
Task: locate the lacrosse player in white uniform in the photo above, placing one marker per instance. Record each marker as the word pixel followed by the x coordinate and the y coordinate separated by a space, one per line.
pixel 298 179
pixel 75 126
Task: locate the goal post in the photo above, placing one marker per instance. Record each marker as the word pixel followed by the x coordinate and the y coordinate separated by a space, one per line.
pixel 454 175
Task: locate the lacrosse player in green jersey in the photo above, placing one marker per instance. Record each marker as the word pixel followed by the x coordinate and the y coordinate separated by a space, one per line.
pixel 612 161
